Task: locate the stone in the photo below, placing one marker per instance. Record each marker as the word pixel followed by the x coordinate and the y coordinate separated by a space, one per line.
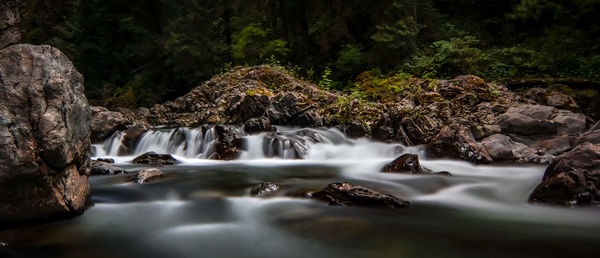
pixel 105 160
pixel 146 174
pixel 573 178
pixel 457 144
pixel 153 158
pixel 345 194
pixel 264 189
pixel 503 148
pixel 44 135
pixel 257 125
pixel 12 19
pixel 106 122
pixel 406 163
pixel 528 120
pixel 104 168
pixel 229 142
pixel 569 123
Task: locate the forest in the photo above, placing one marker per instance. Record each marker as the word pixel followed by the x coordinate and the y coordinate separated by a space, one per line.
pixel 139 53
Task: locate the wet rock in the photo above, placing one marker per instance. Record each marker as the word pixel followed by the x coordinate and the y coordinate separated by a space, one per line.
pixel 153 158
pixel 457 144
pixel 106 122
pixel 406 163
pixel 353 129
pixel 264 189
pixel 285 147
pixel 229 142
pixel 443 173
pixel 257 125
pixel 573 178
pixel 44 135
pixel 133 132
pixel 104 168
pixel 147 174
pixel 345 194
pixel 105 160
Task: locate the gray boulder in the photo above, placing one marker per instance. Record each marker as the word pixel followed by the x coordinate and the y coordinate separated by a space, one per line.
pixel 44 135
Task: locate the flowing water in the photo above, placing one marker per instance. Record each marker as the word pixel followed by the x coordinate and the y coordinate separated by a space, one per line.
pixel 202 208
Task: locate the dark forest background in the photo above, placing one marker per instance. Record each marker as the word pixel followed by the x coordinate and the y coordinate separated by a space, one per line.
pixel 140 52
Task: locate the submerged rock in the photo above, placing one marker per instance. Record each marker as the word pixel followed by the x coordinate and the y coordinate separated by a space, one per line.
pixel 153 158
pixel 147 174
pixel 44 135
pixel 345 194
pixel 106 160
pixel 264 189
pixel 104 168
pixel 573 178
pixel 407 163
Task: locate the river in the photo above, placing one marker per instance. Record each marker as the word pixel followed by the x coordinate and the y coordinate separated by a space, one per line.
pixel 203 208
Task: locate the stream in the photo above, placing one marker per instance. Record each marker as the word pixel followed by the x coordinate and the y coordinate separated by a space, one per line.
pixel 203 208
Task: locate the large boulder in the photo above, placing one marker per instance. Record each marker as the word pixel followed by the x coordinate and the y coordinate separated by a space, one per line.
pixel 12 18
pixel 573 178
pixel 44 135
pixel 345 194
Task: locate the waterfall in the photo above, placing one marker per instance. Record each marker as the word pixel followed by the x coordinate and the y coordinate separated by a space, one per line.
pixel 110 146
pixel 282 143
pixel 186 142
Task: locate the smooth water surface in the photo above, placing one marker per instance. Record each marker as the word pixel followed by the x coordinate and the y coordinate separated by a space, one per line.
pixel 202 208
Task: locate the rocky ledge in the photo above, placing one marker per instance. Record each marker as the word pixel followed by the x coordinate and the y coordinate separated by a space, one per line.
pixel 44 135
pixel 463 118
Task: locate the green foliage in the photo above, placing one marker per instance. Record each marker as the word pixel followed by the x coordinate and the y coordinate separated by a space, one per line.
pixel 447 58
pixel 252 44
pixel 144 52
pixel 326 81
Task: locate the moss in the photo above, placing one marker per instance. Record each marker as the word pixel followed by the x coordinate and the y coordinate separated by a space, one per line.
pixel 259 91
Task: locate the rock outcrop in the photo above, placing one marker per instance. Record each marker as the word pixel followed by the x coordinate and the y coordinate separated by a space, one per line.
pixel 44 135
pixel 572 178
pixel 462 118
pixel 345 194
